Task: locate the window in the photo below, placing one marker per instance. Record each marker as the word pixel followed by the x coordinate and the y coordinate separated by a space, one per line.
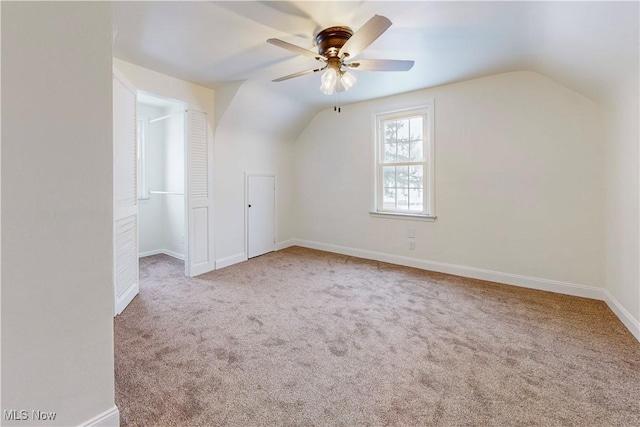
pixel 404 162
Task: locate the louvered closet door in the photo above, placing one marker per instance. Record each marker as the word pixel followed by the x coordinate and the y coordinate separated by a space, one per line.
pixel 200 190
pixel 125 199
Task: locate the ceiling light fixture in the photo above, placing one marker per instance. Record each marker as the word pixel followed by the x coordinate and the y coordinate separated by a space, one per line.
pixel 337 49
pixel 335 80
pixel 329 81
pixel 348 80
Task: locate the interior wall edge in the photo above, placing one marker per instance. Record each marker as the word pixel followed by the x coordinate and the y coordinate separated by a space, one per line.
pixel 57 143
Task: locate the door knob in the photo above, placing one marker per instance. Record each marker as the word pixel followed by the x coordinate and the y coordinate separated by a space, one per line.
pixel 249 205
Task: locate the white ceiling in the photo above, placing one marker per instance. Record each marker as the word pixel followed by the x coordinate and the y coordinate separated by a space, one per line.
pixel 591 47
pixel 156 101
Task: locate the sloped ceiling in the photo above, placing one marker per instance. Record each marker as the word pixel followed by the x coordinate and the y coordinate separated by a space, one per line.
pixel 591 47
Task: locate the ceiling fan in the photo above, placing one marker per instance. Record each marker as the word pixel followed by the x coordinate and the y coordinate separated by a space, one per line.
pixel 337 49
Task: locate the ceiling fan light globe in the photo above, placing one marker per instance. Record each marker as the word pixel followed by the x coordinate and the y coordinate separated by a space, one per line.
pixel 329 80
pixel 327 89
pixel 348 80
pixel 330 76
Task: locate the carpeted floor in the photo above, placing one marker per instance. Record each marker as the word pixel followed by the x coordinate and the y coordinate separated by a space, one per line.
pixel 303 337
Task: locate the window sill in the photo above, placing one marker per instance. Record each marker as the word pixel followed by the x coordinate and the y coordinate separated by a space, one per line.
pixel 408 217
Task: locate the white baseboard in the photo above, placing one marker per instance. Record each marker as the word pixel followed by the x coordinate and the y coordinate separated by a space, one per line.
pixel 285 244
pixel 461 270
pixel 230 260
pixel 109 418
pixel 235 259
pixel 149 253
pixel 123 301
pixel 566 288
pixel 633 325
pixel 173 254
pixel 161 251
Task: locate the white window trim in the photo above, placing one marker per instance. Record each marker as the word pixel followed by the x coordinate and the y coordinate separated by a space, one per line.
pixel 408 217
pixel 427 108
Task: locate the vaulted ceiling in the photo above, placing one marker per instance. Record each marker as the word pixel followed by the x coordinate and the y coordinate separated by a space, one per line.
pixel 591 47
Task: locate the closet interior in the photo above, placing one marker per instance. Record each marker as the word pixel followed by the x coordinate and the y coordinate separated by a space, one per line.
pixel 161 177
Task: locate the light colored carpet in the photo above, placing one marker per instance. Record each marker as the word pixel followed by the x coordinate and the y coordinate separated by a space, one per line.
pixel 303 337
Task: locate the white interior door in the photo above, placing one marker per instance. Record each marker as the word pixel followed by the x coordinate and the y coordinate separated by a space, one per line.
pixel 261 214
pixel 200 258
pixel 125 198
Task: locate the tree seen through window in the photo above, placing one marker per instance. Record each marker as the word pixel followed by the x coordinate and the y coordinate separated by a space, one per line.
pixel 403 171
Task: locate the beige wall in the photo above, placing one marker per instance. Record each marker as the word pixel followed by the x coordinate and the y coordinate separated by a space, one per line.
pixel 256 131
pixel 622 206
pixel 166 86
pixel 519 181
pixel 57 291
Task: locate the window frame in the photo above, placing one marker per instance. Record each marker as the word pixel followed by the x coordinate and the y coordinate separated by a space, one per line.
pixel 428 179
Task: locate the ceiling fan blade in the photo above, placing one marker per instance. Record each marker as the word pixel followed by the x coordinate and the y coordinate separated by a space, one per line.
pixel 296 49
pixel 298 74
pixel 381 65
pixel 366 35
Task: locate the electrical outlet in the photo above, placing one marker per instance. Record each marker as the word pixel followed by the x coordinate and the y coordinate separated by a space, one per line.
pixel 411 233
pixel 412 244
pixel 182 238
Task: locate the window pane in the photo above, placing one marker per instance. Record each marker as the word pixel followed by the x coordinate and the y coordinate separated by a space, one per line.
pixel 415 128
pixel 414 176
pixel 390 152
pixel 416 202
pixel 403 151
pixel 415 151
pixel 390 128
pixel 389 199
pixel 402 176
pixel 402 129
pixel 389 176
pixel 403 199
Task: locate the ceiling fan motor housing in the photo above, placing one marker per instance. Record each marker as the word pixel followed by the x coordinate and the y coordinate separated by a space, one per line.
pixel 331 39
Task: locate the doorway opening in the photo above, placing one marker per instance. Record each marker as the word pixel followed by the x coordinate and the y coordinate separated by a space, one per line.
pixel 161 174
